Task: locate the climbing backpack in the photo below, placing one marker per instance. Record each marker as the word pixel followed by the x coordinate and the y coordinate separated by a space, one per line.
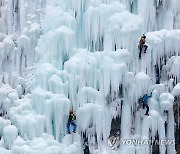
pixel 73 117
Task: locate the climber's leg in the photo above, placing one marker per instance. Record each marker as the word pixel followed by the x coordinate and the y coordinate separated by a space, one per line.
pixel 143 105
pixel 147 107
pixel 74 126
pixel 68 127
pixel 140 50
pixel 145 48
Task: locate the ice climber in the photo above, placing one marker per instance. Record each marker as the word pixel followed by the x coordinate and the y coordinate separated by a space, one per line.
pixel 71 120
pixel 144 102
pixel 142 45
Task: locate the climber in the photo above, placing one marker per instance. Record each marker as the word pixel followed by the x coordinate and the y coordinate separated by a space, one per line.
pixel 142 45
pixel 71 120
pixel 144 102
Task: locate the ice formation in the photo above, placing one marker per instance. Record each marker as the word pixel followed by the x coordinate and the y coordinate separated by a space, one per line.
pixel 57 55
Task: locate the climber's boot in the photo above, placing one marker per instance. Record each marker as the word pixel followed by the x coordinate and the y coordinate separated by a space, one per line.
pixel 147 114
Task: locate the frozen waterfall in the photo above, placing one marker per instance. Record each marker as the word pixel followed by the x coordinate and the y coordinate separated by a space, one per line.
pixel 58 55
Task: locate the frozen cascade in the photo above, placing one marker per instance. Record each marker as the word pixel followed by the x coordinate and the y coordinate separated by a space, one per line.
pixel 9 133
pixel 57 55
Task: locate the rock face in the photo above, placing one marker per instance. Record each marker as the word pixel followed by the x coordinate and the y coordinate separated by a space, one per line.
pixel 177 121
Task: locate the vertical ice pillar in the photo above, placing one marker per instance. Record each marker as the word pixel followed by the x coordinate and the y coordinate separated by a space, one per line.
pixel 16 16
pixel 126 121
pixel 146 134
pixel 21 15
pixel 34 34
pixel 23 53
pixel 60 116
pixel 170 132
pixel 162 136
pixel 62 42
pixel 147 10
pixel 10 133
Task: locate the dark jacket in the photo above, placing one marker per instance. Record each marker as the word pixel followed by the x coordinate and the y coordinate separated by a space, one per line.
pixel 72 117
pixel 142 41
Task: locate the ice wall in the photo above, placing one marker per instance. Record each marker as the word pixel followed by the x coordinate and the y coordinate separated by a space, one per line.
pixel 20 30
pixel 58 55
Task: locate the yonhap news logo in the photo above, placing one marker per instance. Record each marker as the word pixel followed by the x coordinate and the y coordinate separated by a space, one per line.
pixel 147 142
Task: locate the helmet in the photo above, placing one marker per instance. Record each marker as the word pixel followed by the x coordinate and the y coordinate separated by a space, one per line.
pixel 143 36
pixel 71 112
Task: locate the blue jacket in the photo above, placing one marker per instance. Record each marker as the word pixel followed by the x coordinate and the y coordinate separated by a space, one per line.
pixel 145 98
